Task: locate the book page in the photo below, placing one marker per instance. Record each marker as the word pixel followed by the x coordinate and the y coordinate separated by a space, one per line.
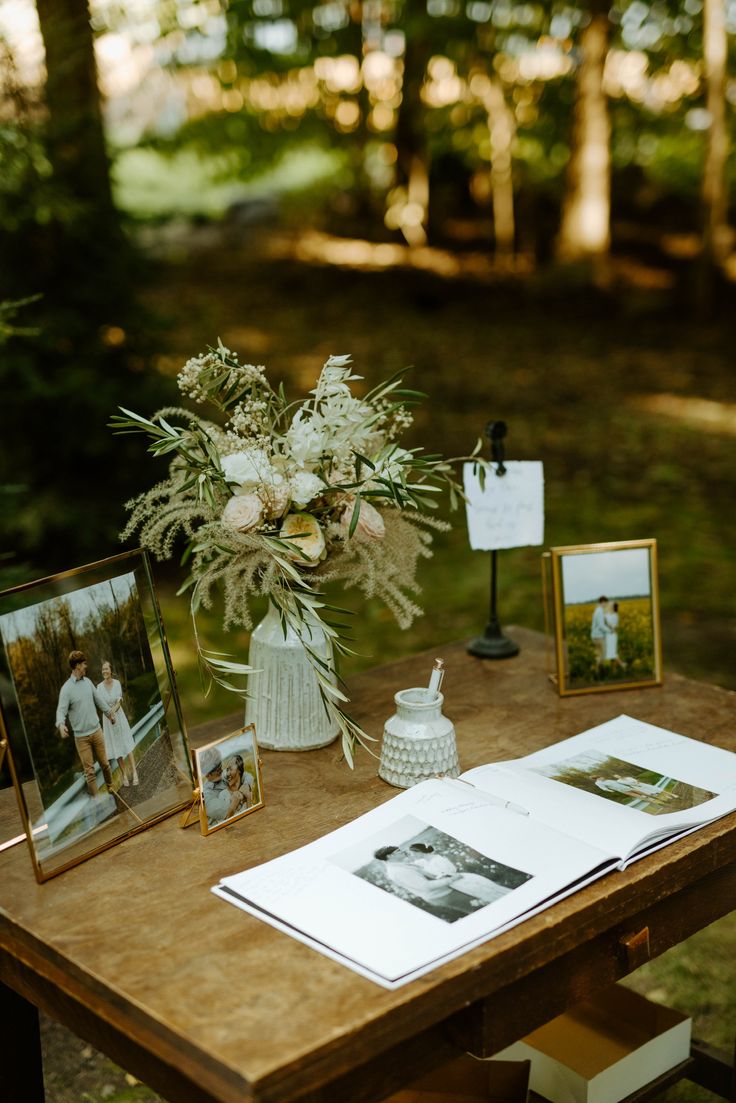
pixel 424 876
pixel 621 785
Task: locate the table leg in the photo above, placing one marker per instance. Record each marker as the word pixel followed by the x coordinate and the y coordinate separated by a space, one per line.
pixel 21 1066
pixel 714 1069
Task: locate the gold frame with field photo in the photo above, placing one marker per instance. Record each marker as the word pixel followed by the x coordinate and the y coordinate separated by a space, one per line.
pixel 605 607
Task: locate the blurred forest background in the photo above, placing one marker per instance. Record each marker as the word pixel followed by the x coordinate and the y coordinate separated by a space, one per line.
pixel 529 203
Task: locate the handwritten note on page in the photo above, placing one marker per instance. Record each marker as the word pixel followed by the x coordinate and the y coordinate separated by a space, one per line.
pixel 509 511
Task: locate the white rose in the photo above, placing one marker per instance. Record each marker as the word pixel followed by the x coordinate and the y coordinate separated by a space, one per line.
pixel 243 512
pixel 370 524
pixel 249 468
pixel 302 531
pixel 305 486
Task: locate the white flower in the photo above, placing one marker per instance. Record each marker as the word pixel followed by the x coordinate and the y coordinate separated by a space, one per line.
pixel 249 468
pixel 307 438
pixel 275 498
pixel 392 465
pixel 304 487
pixel 334 378
pixel 243 512
pixel 370 524
pixel 307 540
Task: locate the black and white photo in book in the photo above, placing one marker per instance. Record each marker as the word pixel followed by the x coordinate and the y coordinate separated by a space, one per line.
pixel 430 869
pixel 89 706
pixel 450 863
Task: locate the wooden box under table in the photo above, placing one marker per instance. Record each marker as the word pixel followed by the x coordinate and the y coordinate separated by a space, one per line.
pixel 604 1049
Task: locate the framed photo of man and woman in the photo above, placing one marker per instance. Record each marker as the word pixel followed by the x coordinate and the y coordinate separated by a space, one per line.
pixel 88 708
pixel 229 779
pixel 605 609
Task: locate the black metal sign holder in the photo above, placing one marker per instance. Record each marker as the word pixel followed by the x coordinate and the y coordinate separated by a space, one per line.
pixel 493 644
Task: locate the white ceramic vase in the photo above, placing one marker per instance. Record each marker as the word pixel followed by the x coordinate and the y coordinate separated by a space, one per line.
pixel 285 703
pixel 418 740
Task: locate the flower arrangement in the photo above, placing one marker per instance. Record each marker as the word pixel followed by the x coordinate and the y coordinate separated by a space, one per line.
pixel 279 498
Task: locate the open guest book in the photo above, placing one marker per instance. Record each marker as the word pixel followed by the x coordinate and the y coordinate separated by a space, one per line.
pixel 448 864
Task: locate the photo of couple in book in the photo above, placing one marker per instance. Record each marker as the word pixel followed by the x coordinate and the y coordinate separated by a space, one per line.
pixel 432 870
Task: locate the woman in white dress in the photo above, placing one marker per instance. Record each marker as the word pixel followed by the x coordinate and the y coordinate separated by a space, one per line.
pixel 611 638
pixel 118 738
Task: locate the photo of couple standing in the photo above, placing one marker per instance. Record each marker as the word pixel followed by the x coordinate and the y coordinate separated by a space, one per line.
pixel 94 727
pixel 609 619
pixel 604 631
pixel 110 742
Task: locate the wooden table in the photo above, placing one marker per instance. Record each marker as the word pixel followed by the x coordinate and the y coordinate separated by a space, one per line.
pixel 204 1003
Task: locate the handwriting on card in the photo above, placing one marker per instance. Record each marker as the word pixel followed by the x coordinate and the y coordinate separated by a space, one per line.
pixel 508 511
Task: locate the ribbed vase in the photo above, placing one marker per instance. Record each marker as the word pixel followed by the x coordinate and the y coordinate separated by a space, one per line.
pixel 285 703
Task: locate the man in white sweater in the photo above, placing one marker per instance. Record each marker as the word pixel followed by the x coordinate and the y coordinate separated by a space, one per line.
pixel 78 703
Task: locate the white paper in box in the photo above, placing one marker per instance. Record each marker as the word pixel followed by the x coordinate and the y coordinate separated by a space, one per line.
pixel 603 1049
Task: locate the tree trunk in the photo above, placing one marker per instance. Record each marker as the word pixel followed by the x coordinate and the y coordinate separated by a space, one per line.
pixel 716 233
pixel 75 136
pixel 586 213
pixel 502 128
pixel 412 160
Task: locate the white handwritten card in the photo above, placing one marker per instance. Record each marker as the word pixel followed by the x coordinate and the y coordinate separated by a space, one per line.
pixel 509 511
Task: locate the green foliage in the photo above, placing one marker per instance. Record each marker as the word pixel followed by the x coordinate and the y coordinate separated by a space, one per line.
pixel 75 343
pixel 64 489
pixel 8 314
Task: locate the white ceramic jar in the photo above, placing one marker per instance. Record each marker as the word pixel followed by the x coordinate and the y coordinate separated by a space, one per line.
pixel 418 741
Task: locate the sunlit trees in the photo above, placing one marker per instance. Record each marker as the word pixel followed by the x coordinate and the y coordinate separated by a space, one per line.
pixel 586 211
pixel 435 111
pixel 410 200
pixel 716 233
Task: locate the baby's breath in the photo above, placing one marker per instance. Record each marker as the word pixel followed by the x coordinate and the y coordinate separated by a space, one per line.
pixel 250 419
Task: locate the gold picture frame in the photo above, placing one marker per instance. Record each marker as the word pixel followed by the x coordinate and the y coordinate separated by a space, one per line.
pixel 82 791
pixel 603 604
pixel 229 781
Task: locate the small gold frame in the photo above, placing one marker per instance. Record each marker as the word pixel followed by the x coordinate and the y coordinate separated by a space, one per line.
pixel 599 648
pixel 223 797
pixel 62 819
